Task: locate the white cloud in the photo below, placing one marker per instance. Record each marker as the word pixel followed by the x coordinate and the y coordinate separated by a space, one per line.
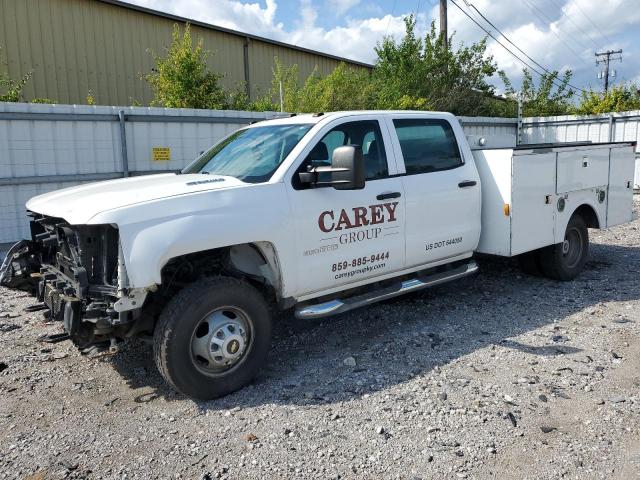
pixel 355 40
pixel 248 17
pixel 340 7
pixel 308 15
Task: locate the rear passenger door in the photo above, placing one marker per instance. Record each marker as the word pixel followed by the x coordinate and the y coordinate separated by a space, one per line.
pixel 442 189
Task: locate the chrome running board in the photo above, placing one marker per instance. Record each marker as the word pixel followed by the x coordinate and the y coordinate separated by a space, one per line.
pixel 333 307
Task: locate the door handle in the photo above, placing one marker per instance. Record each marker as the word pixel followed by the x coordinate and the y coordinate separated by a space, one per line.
pixel 467 183
pixel 386 196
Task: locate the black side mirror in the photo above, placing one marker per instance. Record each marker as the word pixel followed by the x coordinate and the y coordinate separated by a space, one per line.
pixel 347 170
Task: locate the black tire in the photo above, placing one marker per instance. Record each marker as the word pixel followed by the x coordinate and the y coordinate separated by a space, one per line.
pixel 181 323
pixel 530 263
pixel 564 261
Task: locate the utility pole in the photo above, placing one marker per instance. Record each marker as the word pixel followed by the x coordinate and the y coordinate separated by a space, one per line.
pixel 443 20
pixel 605 57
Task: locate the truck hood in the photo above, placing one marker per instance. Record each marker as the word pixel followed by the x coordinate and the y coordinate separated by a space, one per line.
pixel 77 205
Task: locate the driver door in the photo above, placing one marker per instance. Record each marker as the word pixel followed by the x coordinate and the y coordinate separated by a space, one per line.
pixel 348 236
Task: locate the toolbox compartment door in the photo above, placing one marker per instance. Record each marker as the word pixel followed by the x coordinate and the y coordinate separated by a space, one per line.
pixel 620 191
pixel 533 201
pixel 582 168
pixel 494 168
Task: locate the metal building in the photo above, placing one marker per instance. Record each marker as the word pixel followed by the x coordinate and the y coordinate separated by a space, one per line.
pixel 76 46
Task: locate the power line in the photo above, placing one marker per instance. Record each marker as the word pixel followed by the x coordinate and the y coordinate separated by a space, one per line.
pixel 516 46
pixel 504 46
pixel 533 9
pixel 577 4
pixel 595 43
pixel 491 35
pixel 544 18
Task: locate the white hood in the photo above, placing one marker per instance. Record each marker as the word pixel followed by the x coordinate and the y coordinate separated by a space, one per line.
pixel 77 205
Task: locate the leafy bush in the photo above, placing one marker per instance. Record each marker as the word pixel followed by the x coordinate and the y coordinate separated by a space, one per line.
pixel 181 79
pixel 345 88
pixel 552 96
pixel 618 99
pixel 12 90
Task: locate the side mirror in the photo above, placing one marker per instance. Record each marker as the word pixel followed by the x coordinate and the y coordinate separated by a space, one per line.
pixel 347 170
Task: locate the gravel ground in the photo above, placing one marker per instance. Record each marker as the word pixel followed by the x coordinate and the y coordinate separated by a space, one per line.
pixel 498 376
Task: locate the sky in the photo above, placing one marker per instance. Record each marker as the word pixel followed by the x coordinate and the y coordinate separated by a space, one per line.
pixel 557 34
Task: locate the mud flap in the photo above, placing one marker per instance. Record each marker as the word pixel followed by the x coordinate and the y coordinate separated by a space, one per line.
pixel 18 266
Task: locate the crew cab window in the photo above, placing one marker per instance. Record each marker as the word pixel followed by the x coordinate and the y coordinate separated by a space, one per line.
pixel 365 133
pixel 427 145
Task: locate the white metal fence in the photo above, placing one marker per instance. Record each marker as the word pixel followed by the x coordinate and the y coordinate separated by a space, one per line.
pixel 614 127
pixel 48 147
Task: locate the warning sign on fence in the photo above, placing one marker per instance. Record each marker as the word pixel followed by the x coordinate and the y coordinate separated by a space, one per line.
pixel 161 154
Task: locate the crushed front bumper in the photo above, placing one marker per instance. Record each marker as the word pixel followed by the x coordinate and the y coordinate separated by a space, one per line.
pixel 76 272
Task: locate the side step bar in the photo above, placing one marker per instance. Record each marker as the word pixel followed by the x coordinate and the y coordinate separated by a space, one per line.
pixel 333 307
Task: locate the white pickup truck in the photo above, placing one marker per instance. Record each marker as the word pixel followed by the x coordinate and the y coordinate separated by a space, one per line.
pixel 317 213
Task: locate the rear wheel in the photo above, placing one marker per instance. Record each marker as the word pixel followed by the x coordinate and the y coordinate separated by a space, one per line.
pixel 213 337
pixel 564 261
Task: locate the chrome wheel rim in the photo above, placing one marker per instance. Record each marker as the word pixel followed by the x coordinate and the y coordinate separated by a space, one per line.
pixel 221 340
pixel 572 247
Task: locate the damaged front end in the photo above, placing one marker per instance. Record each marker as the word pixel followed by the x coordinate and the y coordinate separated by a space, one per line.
pixel 79 273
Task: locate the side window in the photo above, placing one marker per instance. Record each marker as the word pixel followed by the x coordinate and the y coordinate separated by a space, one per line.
pixel 333 140
pixel 427 145
pixel 365 133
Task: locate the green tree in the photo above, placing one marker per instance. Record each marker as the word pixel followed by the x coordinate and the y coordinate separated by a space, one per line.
pixel 618 99
pixel 285 80
pixel 431 74
pixel 181 79
pixel 552 95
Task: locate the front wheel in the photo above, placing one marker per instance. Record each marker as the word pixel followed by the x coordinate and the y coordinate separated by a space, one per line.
pixel 564 261
pixel 212 337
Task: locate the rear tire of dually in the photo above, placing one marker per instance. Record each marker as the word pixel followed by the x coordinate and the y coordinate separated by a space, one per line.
pixel 564 261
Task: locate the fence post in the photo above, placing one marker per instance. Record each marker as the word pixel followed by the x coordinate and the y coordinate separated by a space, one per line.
pixel 519 127
pixel 611 127
pixel 123 144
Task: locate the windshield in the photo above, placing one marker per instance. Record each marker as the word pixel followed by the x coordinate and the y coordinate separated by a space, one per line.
pixel 252 154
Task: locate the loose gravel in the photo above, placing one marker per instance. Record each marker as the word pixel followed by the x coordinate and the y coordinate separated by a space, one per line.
pixel 498 376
